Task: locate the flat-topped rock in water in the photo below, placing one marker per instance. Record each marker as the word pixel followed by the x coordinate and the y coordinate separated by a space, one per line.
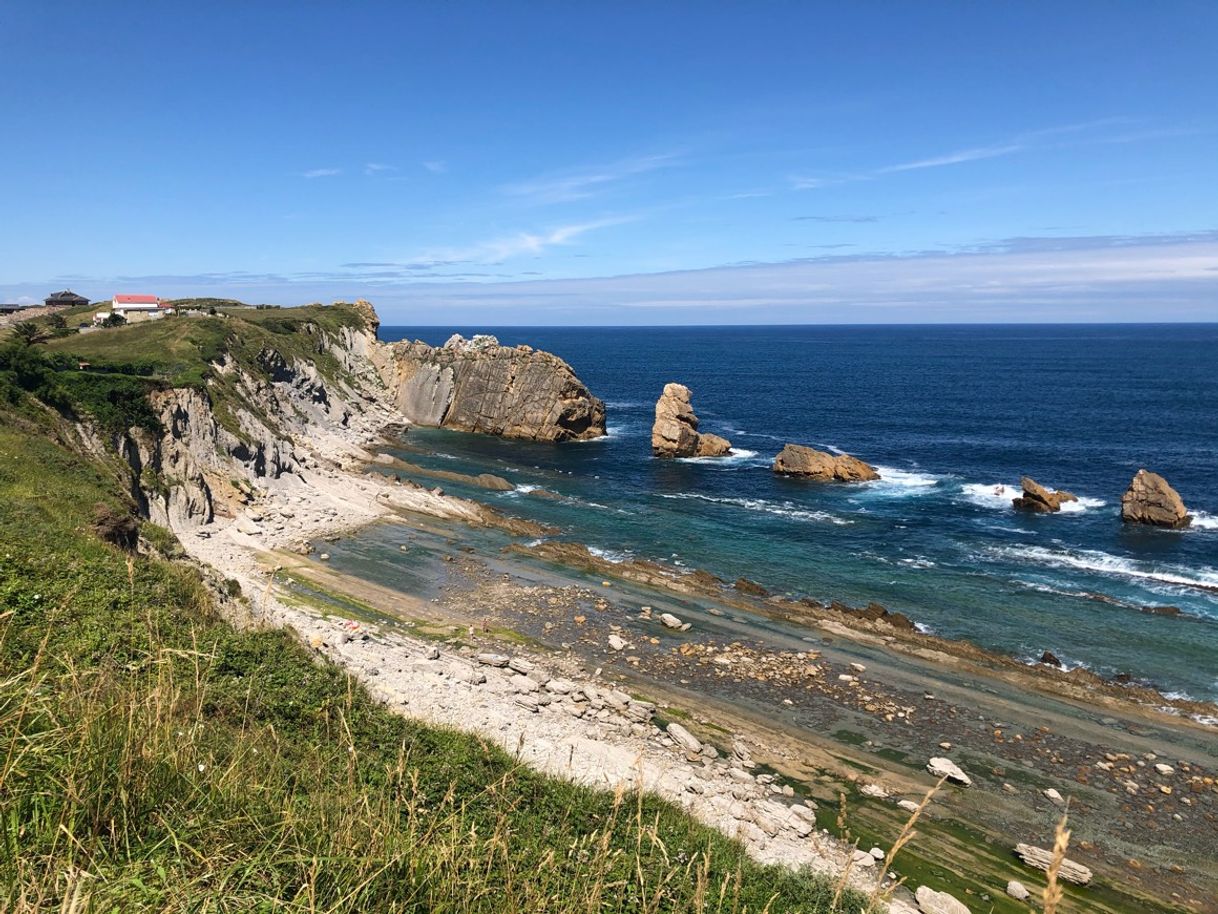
pixel 675 431
pixel 1151 500
pixel 1040 500
pixel 809 463
pixel 478 385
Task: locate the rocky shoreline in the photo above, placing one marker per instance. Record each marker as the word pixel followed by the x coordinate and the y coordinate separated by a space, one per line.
pixel 575 707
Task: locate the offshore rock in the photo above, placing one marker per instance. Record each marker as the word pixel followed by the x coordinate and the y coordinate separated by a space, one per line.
pixel 480 386
pixel 1037 499
pixel 808 463
pixel 675 432
pixel 1150 500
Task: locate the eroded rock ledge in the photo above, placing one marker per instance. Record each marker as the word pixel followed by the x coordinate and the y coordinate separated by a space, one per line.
pixel 480 386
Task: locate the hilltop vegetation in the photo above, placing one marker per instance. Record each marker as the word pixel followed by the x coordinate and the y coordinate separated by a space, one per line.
pixel 153 758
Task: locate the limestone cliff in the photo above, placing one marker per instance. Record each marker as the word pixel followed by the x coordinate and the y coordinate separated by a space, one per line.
pixel 480 386
pixel 274 406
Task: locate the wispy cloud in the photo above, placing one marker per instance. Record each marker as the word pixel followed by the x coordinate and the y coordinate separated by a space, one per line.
pixel 436 166
pixel 503 248
pixel 836 219
pixel 955 158
pixel 377 168
pixel 571 185
pixel 321 172
pixel 1043 138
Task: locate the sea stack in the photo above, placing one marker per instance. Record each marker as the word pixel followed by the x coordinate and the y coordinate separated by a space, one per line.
pixel 1039 500
pixel 1150 500
pixel 809 463
pixel 477 385
pixel 675 432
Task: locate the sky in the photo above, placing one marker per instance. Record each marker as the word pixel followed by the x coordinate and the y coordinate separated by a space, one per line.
pixel 536 163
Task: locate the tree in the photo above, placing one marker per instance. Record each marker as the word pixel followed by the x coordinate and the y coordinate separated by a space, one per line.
pixel 114 320
pixel 26 332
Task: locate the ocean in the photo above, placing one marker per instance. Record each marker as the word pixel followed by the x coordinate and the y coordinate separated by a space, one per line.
pixel 952 416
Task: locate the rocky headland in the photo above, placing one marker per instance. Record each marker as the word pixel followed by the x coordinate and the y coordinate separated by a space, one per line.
pixel 477 385
pixel 808 463
pixel 675 432
pixel 1151 500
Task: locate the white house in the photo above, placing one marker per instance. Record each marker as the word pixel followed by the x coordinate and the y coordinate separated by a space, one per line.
pixel 124 303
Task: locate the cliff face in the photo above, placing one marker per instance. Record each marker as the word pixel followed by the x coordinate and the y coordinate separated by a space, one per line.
pixel 271 414
pixel 479 386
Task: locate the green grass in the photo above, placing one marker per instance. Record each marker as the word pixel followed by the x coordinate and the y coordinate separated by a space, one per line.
pixel 152 758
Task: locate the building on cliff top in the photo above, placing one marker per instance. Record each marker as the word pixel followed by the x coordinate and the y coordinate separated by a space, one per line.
pixel 65 299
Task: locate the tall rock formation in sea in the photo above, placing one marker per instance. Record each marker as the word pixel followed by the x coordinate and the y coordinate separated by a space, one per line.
pixel 675 432
pixel 477 385
pixel 809 463
pixel 1150 500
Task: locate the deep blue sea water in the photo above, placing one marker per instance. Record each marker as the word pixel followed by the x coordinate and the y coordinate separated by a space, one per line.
pixel 952 416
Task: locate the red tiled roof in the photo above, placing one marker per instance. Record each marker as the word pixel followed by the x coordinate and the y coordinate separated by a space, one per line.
pixel 136 300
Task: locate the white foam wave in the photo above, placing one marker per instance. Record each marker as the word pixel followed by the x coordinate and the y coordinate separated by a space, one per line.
pixel 896 483
pixel 1111 565
pixel 517 491
pixel 999 496
pixel 616 556
pixel 1203 521
pixel 737 458
pixel 782 509
pixel 990 494
pixel 1083 504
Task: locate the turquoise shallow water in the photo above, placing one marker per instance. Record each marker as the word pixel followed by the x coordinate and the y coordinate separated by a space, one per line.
pixel 952 416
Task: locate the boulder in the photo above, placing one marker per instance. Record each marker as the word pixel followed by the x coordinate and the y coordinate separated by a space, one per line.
pixel 675 431
pixel 932 902
pixel 480 386
pixel 808 463
pixel 1040 858
pixel 1018 890
pixel 1039 500
pixel 943 767
pixel 1150 500
pixel 684 738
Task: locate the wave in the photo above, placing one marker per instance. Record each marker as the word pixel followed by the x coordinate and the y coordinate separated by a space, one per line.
pixel 905 479
pixel 626 404
pixel 616 556
pixel 999 495
pixel 1203 521
pixel 1111 565
pixel 739 457
pixel 781 509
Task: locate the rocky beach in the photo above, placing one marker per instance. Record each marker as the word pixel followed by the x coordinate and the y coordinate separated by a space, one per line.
pixel 807 729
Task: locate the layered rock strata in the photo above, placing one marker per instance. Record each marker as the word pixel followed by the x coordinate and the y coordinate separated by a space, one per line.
pixel 478 385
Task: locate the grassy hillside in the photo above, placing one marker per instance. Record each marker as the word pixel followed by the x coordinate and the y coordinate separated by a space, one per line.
pixel 152 758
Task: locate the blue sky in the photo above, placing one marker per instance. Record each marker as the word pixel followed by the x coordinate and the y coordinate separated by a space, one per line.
pixel 536 163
